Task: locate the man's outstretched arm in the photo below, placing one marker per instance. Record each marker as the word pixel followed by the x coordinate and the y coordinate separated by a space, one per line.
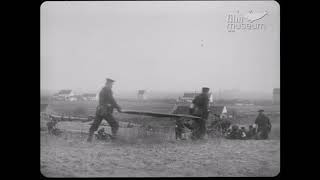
pixel 113 101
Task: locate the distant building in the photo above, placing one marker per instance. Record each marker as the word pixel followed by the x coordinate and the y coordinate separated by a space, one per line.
pixel 142 95
pixel 242 102
pixel 276 96
pixel 64 95
pixel 89 97
pixel 73 98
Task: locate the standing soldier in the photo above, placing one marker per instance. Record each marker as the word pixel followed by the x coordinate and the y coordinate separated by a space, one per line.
pixel 264 125
pixel 201 103
pixel 104 110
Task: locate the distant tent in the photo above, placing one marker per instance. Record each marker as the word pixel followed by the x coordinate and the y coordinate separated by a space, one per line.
pixel 220 111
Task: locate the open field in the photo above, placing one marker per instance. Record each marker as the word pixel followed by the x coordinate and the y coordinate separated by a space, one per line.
pixel 150 155
pixel 215 157
pixel 245 115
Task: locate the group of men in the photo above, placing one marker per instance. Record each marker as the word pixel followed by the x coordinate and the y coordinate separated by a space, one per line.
pixel 234 132
pixel 199 108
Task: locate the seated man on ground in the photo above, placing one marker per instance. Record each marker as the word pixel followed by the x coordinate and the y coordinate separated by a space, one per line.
pixel 243 134
pixel 234 133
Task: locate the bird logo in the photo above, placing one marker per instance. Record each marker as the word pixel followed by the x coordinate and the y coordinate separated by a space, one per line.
pixel 253 16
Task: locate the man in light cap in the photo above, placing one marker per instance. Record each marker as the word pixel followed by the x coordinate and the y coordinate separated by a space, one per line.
pixel 105 109
pixel 264 125
pixel 200 108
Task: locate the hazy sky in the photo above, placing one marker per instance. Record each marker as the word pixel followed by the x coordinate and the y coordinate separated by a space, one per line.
pixel 164 46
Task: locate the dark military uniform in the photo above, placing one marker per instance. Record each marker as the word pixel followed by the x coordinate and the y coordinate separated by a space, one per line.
pixel 201 103
pixel 264 126
pixel 104 111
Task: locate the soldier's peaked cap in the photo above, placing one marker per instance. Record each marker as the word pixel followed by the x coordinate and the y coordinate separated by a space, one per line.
pixel 205 89
pixel 110 80
pixel 261 110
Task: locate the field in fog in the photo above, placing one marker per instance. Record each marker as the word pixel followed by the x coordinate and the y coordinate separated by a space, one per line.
pixel 138 153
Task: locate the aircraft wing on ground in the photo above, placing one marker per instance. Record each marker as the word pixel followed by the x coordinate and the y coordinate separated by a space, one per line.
pixel 156 114
pixel 143 113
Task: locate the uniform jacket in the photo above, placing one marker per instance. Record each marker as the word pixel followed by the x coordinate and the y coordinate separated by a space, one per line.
pixel 201 103
pixel 106 101
pixel 263 122
pixel 106 97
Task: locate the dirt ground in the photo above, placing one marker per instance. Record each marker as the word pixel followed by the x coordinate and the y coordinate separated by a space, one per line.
pixel 156 156
pixel 74 157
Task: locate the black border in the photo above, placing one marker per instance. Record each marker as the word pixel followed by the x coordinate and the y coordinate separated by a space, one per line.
pixel 26 94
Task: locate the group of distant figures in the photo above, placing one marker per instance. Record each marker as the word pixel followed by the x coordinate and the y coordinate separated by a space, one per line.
pixel 234 132
pixel 259 130
pixel 198 108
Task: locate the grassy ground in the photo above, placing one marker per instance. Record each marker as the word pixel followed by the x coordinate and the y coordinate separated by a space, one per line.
pixel 138 153
pixel 245 115
pixel 73 157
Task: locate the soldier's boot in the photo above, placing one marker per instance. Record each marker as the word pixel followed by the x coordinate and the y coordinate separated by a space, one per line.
pixel 200 134
pixel 258 136
pixel 265 135
pixel 114 133
pixel 177 135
